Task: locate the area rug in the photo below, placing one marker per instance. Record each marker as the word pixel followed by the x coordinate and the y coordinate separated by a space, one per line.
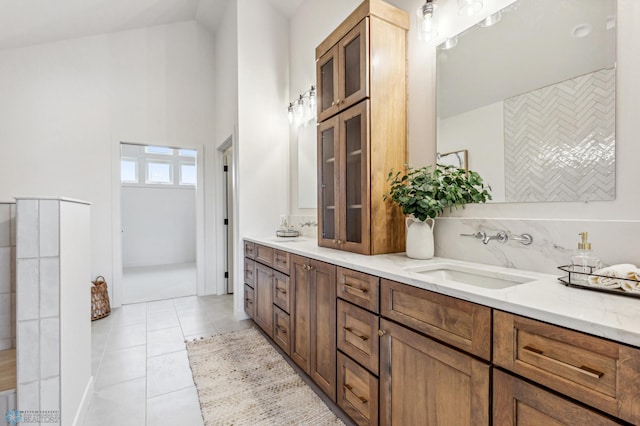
pixel 242 380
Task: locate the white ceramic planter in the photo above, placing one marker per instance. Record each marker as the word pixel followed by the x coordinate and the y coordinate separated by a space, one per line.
pixel 419 238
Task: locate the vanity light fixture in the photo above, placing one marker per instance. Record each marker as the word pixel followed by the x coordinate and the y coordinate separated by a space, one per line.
pixel 427 28
pixel 303 109
pixel 449 43
pixel 469 7
pixel 490 20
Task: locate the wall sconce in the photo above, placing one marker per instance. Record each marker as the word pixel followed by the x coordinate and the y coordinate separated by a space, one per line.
pixel 303 109
pixel 469 7
pixel 427 28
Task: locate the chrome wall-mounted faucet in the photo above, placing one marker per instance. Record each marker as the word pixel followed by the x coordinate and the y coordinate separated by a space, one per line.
pixel 501 237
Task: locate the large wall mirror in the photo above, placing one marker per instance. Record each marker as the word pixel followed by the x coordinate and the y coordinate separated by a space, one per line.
pixel 529 94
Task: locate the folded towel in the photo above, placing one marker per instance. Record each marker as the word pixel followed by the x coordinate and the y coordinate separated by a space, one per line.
pixel 632 286
pixel 611 277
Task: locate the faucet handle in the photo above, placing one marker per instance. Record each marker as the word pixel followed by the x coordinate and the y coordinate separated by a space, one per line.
pixel 477 235
pixel 525 239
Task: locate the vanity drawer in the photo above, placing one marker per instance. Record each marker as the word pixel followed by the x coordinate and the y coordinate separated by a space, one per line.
pixel 357 391
pixel 249 272
pixel 282 329
pixel 281 291
pixel 359 288
pixel 249 249
pixel 517 402
pixel 264 254
pixel 249 298
pixel 462 324
pixel 281 261
pixel 598 372
pixel 357 334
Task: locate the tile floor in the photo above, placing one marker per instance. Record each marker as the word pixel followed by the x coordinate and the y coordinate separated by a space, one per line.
pixel 140 364
pixel 159 282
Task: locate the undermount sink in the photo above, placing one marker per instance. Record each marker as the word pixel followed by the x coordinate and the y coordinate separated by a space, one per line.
pixel 471 276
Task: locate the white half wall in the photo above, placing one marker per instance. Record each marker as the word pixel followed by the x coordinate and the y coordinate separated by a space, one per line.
pixel 158 226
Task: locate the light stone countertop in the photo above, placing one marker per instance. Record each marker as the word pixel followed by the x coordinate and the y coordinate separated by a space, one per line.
pixel 545 298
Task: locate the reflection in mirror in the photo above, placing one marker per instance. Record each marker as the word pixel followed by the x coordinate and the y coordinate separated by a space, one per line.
pixel 530 94
pixel 307 166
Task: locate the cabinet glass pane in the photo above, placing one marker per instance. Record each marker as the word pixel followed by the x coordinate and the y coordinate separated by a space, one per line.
pixel 353 184
pixel 352 67
pixel 326 80
pixel 328 196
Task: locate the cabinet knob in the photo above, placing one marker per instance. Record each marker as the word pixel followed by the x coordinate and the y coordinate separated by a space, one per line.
pixel 381 333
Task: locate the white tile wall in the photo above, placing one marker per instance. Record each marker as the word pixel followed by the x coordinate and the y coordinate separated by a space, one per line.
pixel 28 352
pixel 7 402
pixel 38 305
pixel 7 277
pixel 27 229
pixel 49 347
pixel 28 289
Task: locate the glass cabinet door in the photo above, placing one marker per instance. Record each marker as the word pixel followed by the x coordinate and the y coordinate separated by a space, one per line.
pixel 354 66
pixel 327 76
pixel 354 178
pixel 328 190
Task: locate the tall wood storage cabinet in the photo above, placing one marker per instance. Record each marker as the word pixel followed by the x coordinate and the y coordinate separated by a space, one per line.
pixel 361 75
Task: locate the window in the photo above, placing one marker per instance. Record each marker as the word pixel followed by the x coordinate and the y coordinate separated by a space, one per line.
pixel 158 166
pixel 187 174
pixel 128 170
pixel 158 150
pixel 158 172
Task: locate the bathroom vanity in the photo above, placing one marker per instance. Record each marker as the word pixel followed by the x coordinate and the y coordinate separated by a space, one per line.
pixel 394 340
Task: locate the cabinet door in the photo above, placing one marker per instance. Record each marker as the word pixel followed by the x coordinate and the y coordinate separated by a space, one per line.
pixel 328 182
pixel 264 298
pixel 354 179
pixel 423 382
pixel 249 298
pixel 516 402
pixel 327 81
pixel 300 319
pixel 353 60
pixel 323 326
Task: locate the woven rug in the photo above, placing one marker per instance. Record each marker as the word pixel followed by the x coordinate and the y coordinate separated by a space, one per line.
pixel 242 380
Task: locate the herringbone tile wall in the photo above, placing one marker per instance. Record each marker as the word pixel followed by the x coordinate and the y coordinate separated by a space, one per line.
pixel 560 141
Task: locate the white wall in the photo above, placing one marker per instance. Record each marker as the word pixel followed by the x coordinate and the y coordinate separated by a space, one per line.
pixel 309 25
pixel 481 132
pixel 66 106
pixel 158 226
pixel 263 138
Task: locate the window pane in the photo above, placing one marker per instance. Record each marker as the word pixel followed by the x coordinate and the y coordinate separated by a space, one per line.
pixel 187 152
pixel 129 171
pixel 187 174
pixel 158 150
pixel 158 172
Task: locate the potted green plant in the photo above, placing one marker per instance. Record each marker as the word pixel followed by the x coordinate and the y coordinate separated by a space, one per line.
pixel 424 193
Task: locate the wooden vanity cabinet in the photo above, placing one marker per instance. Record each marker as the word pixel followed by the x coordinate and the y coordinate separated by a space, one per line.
pixel 519 403
pixel 313 321
pixel 263 294
pixel 598 372
pixel 427 383
pixel 362 129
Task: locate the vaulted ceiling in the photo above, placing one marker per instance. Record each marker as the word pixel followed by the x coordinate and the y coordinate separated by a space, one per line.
pixel 29 22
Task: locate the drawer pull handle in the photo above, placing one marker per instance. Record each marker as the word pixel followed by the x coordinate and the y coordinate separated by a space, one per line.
pixel 249 301
pixel 361 337
pixel 351 287
pixel 583 368
pixel 282 329
pixel 281 290
pixel 350 389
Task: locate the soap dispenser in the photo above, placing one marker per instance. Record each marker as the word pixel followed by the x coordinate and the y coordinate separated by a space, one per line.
pixel 584 261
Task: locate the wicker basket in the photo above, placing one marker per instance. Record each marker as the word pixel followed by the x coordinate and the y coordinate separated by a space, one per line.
pixel 100 307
